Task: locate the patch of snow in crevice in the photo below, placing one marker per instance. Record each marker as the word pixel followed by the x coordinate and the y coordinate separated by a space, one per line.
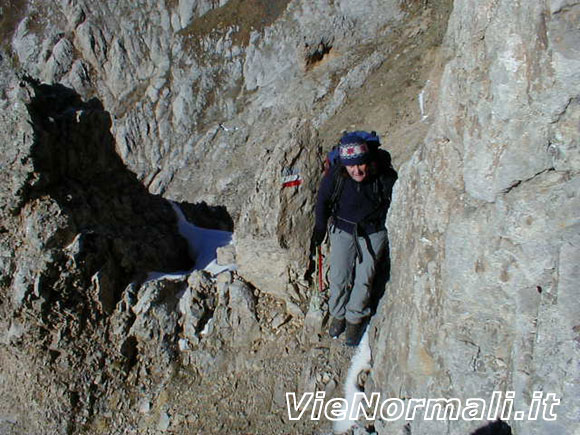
pixel 173 276
pixel 424 116
pixel 202 247
pixel 361 361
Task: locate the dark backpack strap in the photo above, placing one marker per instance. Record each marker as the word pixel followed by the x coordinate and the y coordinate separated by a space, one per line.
pixel 338 184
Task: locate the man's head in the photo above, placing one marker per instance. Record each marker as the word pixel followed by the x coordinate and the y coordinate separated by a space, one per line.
pixel 354 155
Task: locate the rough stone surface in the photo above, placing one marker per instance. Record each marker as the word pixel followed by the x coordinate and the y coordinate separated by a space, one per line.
pixel 109 110
pixel 485 221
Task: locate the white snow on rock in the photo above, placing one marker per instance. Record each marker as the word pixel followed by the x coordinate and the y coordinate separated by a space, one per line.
pixel 202 247
pixel 361 361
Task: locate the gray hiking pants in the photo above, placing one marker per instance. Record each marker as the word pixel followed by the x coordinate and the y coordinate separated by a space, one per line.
pixel 345 302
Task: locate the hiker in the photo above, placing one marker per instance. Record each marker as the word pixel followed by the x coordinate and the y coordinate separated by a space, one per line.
pixel 354 195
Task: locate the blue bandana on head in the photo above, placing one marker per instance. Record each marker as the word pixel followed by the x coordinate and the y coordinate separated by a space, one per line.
pixel 353 150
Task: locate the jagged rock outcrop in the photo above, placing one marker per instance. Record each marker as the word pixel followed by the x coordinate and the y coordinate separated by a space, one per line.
pixel 215 104
pixel 80 238
pixel 75 233
pixel 183 101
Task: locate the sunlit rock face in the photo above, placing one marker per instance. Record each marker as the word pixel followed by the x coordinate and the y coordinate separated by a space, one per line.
pixel 112 109
pixel 483 295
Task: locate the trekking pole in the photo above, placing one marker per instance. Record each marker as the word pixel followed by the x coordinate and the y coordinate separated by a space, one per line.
pixel 320 280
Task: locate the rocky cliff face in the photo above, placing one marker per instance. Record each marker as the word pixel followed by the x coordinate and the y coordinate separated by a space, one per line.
pixel 111 110
pixel 486 222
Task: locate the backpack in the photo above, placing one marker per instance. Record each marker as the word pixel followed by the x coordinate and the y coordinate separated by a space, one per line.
pixel 386 174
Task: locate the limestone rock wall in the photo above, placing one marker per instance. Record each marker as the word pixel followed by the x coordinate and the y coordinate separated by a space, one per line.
pixel 218 103
pixel 75 232
pixel 90 341
pixel 206 91
pixel 484 224
pixel 107 105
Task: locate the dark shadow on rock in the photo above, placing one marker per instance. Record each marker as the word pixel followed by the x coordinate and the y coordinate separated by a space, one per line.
pixel 383 270
pixel 382 277
pixel 205 216
pixel 124 231
pixel 497 427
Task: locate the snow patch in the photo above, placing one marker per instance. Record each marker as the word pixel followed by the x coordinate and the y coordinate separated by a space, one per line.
pixel 421 98
pixel 361 361
pixel 202 246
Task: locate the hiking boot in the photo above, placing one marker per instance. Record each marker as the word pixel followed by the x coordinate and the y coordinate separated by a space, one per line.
pixel 336 327
pixel 354 332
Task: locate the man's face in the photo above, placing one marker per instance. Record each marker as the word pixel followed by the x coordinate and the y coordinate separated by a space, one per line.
pixel 357 172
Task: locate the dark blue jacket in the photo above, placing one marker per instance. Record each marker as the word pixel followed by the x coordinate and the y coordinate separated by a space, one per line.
pixel 358 203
